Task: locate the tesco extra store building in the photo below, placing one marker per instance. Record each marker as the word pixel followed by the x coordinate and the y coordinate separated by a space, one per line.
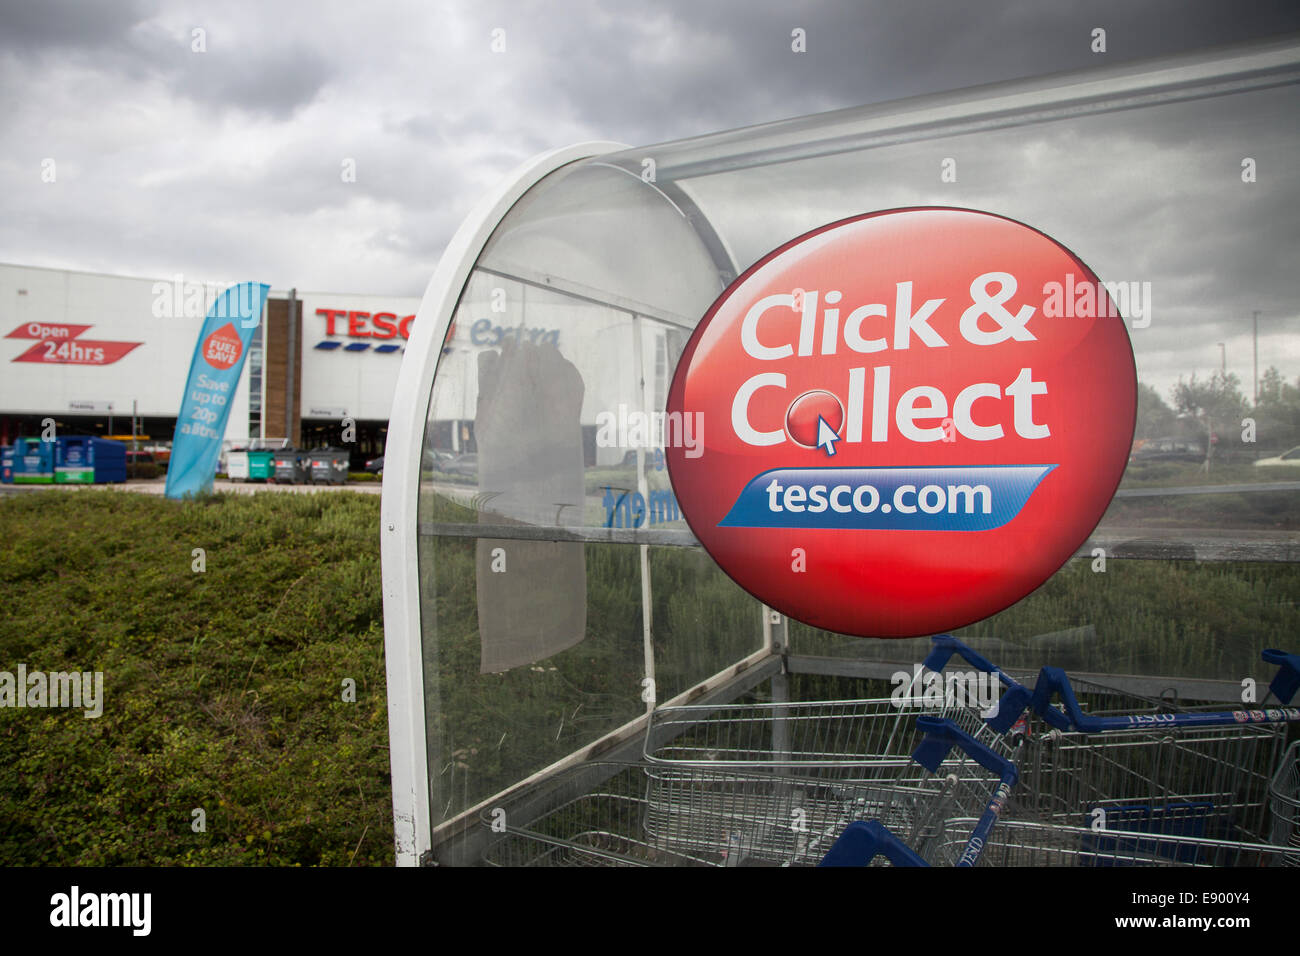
pixel 92 351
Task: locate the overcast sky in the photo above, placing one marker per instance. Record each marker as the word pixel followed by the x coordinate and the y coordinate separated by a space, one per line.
pixel 226 162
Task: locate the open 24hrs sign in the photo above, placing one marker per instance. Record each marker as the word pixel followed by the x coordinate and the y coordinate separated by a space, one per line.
pixel 899 440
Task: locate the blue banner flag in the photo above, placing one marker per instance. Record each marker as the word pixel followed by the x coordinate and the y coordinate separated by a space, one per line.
pixel 214 374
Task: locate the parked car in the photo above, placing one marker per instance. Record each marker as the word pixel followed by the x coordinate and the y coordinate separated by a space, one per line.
pixel 433 460
pixel 142 464
pixel 1287 458
pixel 462 465
pixel 1168 449
pixel 437 459
pixel 162 454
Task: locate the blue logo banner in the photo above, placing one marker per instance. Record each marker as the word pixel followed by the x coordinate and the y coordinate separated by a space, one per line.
pixel 950 498
pixel 214 374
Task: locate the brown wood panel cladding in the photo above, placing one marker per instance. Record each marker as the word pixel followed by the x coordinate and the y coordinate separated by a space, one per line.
pixel 276 370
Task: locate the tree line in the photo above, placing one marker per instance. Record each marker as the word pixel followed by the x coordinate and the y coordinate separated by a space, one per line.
pixel 1215 414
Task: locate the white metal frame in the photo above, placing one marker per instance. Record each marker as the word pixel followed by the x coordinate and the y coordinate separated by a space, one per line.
pixel 398 536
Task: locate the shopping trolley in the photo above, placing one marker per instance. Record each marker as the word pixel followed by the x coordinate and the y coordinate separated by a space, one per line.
pixel 634 814
pixel 1004 726
pixel 1284 798
pixel 765 819
pixel 592 814
pixel 1131 753
pixel 1124 711
pixel 1053 698
pixel 964 777
pixel 1030 843
pixel 842 739
pixel 1134 762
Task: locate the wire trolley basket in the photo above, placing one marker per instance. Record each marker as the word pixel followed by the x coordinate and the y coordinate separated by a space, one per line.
pixel 1215 765
pixel 592 814
pixel 1284 794
pixel 901 822
pixel 840 739
pixel 1044 778
pixel 1171 843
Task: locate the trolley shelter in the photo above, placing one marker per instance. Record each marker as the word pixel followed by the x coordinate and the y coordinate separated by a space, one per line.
pixel 560 641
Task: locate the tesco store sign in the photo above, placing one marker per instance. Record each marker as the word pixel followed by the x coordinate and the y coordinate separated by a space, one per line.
pixel 898 438
pixel 364 328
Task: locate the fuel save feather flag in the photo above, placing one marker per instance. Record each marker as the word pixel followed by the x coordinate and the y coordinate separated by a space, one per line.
pixel 214 374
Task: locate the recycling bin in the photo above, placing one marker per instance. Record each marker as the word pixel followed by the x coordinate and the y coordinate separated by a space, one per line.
pixel 87 460
pixel 328 466
pixel 290 467
pixel 33 462
pixel 7 465
pixel 261 465
pixel 237 465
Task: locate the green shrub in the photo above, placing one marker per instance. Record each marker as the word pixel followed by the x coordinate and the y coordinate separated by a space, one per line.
pixel 222 689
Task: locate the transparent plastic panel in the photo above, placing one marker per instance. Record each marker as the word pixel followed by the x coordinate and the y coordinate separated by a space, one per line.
pixel 1165 206
pixel 1175 619
pixel 487 731
pixel 544 443
pixel 1156 199
pixel 547 407
pixel 703 622
pixel 557 571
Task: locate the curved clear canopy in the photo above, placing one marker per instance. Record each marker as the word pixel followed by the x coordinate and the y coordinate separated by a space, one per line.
pixel 562 596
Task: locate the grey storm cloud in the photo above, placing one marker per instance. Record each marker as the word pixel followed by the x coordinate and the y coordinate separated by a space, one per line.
pixel 231 161
pixel 68 24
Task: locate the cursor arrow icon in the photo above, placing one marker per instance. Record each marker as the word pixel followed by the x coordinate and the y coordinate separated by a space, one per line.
pixel 826 437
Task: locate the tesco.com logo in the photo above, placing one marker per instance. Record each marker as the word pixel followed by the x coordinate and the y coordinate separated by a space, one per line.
pixel 907 439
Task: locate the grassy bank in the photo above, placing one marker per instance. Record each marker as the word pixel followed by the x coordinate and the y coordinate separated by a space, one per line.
pixel 223 688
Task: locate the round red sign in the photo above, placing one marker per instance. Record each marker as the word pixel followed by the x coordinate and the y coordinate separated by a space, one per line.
pixel 223 347
pixel 910 420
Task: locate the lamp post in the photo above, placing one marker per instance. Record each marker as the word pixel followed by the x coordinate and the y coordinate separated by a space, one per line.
pixel 1255 344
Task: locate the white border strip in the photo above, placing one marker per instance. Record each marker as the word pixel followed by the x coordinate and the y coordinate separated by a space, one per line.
pixel 403 655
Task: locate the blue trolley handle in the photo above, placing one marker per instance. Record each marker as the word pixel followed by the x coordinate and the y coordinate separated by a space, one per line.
pixel 941 735
pixel 944 646
pixel 1287 681
pixel 1013 701
pixel 860 843
pixel 1053 681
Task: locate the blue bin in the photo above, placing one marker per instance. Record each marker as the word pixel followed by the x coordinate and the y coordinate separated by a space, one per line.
pixel 84 460
pixel 33 462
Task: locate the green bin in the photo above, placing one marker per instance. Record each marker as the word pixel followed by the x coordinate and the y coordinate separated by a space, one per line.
pixel 261 465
